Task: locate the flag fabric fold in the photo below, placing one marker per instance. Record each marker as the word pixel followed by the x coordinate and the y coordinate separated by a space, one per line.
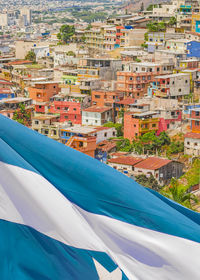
pixel 64 215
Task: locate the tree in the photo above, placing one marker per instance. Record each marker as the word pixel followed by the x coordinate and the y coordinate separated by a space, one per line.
pixel 150 182
pixel 31 56
pixel 89 26
pixel 66 32
pixel 21 115
pixel 150 7
pixel 156 26
pixel 146 36
pixel 83 39
pixel 178 194
pixel 142 7
pixel 117 126
pixel 172 21
pixel 71 53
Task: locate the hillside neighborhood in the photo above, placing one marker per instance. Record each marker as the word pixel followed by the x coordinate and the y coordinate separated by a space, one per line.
pixel 116 81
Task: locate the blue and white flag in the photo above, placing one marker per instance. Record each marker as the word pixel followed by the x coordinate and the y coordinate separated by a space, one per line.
pixel 64 215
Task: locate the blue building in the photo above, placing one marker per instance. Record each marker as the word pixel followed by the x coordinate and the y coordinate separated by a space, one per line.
pixel 193 49
pixel 4 95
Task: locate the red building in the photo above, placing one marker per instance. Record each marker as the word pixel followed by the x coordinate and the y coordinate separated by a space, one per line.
pixel 68 110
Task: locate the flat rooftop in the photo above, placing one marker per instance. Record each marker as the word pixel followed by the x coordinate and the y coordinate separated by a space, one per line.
pixel 170 76
pixel 80 129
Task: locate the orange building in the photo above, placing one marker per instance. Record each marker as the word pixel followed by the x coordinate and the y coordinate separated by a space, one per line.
pixel 86 145
pixel 133 84
pixel 195 120
pixel 137 124
pixel 103 98
pixel 43 91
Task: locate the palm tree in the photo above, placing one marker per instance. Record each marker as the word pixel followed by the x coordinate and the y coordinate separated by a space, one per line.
pixel 176 193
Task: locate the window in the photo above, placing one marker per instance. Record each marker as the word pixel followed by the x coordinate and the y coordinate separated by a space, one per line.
pixel 53 132
pixel 179 90
pixel 54 86
pixel 36 122
pixel 75 117
pixel 46 131
pixel 105 134
pixel 134 125
pixel 113 133
pixel 149 77
pixel 143 78
pixel 38 95
pixel 40 106
pixel 196 144
pixel 95 121
pixel 86 120
pixel 66 108
pixel 74 109
pixel 188 143
pixel 197 123
pixel 197 113
pixel 131 78
pixel 158 69
pixel 138 78
pixel 66 117
pixel 186 81
pixel 58 108
pixel 153 125
pixel 173 83
pixel 97 96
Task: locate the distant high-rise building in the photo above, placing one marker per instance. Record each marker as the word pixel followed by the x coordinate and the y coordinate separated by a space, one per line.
pixel 25 13
pixel 3 20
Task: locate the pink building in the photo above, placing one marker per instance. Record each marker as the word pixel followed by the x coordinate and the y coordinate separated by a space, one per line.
pixel 169 119
pixel 68 110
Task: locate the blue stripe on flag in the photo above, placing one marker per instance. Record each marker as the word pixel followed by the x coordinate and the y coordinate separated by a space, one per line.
pixel 28 254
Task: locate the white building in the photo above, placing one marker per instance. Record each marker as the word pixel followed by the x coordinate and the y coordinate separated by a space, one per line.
pixel 124 164
pixel 96 116
pixel 192 144
pixel 41 51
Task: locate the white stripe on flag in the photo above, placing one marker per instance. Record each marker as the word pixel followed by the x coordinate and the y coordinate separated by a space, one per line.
pixel 28 198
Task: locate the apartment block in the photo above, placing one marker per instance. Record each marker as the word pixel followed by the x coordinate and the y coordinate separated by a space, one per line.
pixel 96 116
pixel 137 124
pixel 43 91
pixel 174 86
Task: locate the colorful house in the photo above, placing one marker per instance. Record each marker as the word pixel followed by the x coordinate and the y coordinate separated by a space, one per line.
pixel 174 86
pixel 195 120
pixel 105 98
pixel 132 84
pixel 86 145
pixel 137 124
pixel 68 111
pixel 43 91
pixel 97 116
